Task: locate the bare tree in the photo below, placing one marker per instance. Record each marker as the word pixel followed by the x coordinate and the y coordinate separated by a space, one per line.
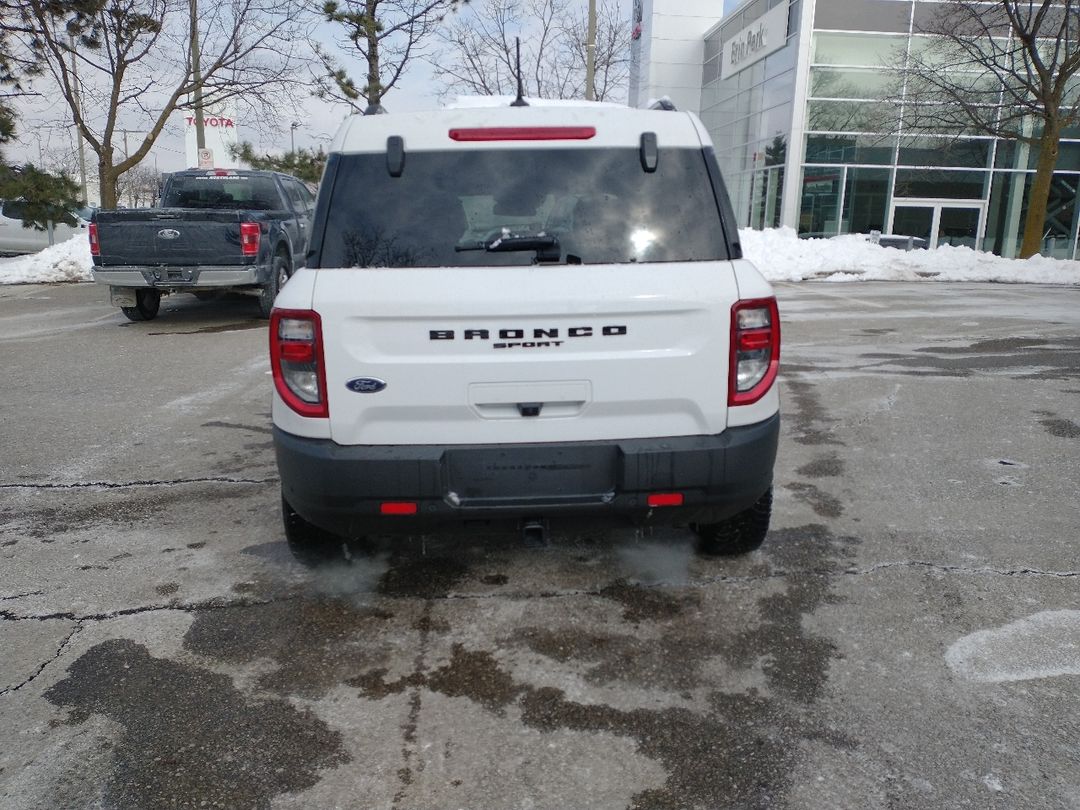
pixel 477 53
pixel 127 63
pixel 387 35
pixel 1006 69
pixel 140 185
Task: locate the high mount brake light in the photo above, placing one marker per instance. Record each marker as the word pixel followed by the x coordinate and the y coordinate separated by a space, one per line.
pixel 755 350
pixel 296 360
pixel 523 134
pixel 250 233
pixel 95 244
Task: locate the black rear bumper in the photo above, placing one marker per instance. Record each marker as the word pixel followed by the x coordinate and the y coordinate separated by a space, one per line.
pixel 342 488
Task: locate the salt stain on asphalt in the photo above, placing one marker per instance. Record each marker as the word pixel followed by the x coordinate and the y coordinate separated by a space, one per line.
pixel 743 746
pixel 1043 645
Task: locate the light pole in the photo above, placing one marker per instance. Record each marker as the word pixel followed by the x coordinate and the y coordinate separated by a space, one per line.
pixel 590 55
pixel 292 136
pixel 78 120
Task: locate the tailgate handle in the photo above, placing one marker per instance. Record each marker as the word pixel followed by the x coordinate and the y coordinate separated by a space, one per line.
pixel 530 408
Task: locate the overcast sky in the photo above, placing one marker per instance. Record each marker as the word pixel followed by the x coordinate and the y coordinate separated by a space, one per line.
pixel 45 126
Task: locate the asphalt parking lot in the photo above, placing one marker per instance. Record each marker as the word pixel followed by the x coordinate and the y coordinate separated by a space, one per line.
pixel 908 637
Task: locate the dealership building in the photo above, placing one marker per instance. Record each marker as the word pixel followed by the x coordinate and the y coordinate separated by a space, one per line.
pixel 792 92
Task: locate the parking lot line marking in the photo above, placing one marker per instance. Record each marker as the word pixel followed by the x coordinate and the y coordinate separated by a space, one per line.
pixel 843 297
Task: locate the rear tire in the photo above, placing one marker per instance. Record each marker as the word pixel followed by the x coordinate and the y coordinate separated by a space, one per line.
pixel 308 543
pixel 279 274
pixel 739 534
pixel 147 304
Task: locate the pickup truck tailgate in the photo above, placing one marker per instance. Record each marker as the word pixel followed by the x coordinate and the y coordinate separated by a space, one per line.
pixel 172 236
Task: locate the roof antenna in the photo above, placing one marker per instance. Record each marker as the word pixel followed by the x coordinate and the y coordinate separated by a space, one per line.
pixel 520 100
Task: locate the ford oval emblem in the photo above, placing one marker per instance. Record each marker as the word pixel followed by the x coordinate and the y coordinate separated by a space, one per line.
pixel 366 385
pixel 168 233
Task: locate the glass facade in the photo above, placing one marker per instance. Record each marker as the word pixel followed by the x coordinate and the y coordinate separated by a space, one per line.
pixel 749 115
pixel 809 138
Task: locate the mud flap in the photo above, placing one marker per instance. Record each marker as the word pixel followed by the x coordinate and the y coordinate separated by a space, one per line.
pixel 122 296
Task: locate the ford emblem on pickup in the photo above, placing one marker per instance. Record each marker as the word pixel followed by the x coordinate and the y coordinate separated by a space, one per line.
pixel 168 233
pixel 366 385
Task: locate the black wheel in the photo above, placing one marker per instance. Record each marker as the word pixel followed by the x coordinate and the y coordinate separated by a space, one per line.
pixel 308 543
pixel 740 533
pixel 147 304
pixel 279 274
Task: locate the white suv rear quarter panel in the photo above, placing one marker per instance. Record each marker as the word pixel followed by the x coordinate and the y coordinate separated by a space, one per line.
pixel 297 294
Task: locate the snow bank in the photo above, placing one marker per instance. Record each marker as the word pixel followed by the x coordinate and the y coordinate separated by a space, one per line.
pixel 782 256
pixel 777 252
pixel 66 261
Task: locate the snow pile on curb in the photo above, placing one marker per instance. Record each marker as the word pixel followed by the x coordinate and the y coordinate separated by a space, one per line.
pixel 782 256
pixel 66 261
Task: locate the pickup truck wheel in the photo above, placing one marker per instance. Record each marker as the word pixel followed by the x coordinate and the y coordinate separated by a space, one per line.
pixel 308 543
pixel 738 534
pixel 147 304
pixel 279 274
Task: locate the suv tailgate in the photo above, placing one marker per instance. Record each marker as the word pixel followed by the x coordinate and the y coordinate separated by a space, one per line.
pixel 527 354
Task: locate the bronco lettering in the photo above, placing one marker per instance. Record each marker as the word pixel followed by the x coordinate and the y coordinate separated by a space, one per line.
pixel 519 334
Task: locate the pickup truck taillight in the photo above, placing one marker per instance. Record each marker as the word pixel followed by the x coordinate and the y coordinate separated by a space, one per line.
pixel 95 245
pixel 755 350
pixel 296 358
pixel 249 238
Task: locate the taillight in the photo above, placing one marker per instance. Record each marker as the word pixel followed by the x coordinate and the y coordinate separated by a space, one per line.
pixel 249 238
pixel 95 245
pixel 755 350
pixel 296 359
pixel 523 134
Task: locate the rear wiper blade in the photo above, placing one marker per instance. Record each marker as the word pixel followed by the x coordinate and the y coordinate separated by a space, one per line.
pixel 507 244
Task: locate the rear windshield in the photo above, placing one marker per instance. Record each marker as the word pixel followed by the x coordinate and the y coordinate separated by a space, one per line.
pixel 227 192
pixel 515 207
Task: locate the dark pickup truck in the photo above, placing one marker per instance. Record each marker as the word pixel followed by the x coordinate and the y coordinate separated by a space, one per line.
pixel 216 229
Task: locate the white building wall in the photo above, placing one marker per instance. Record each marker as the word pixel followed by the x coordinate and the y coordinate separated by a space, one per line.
pixel 671 52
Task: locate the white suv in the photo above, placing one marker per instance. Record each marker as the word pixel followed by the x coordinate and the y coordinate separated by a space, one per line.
pixel 512 316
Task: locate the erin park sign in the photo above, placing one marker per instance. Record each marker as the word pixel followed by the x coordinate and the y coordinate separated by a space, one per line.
pixel 767 34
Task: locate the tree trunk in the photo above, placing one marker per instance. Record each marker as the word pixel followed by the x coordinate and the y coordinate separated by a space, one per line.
pixel 107 178
pixel 1035 221
pixel 374 87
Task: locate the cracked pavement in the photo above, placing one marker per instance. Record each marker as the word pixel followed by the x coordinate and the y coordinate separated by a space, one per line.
pixel 909 636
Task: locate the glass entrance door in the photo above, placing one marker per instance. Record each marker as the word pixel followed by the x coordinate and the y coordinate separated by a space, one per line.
pixel 938 222
pixel 958 226
pixel 914 220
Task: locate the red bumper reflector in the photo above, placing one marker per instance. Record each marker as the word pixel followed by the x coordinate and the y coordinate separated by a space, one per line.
pixel 398 508
pixel 666 499
pixel 523 134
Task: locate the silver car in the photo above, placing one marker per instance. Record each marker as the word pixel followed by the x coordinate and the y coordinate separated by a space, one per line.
pixel 15 238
